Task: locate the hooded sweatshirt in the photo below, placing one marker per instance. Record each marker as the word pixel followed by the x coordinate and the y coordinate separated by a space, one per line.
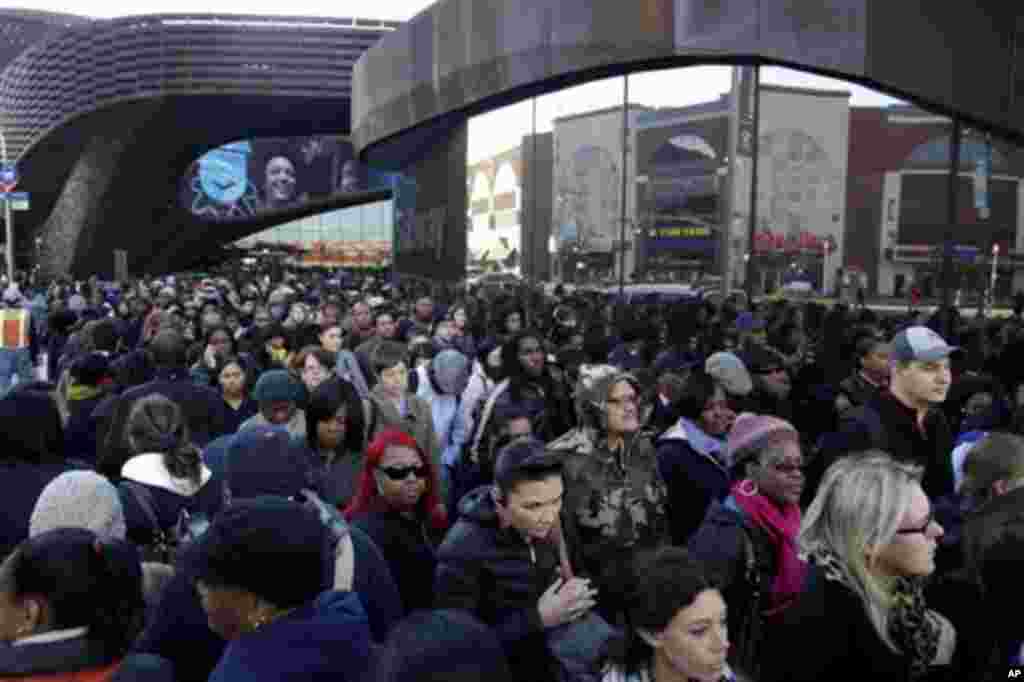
pixel 328 639
pixel 441 386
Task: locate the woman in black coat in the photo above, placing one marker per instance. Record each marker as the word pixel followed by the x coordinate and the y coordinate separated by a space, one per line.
pixel 871 538
pixel 398 506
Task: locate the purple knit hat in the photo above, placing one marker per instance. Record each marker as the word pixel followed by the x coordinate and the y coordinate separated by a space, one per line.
pixel 751 432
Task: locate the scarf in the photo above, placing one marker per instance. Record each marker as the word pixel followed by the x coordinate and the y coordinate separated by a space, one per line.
pixel 782 526
pixel 912 628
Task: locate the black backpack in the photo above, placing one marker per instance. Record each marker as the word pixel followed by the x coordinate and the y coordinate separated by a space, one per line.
pixel 167 543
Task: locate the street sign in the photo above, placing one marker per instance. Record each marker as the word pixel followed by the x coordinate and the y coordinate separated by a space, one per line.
pixel 8 177
pixel 19 201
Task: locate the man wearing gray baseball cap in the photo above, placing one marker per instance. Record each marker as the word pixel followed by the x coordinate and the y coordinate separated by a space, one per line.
pixel 902 420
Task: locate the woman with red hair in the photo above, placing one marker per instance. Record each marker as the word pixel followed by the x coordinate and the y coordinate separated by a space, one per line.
pixel 399 506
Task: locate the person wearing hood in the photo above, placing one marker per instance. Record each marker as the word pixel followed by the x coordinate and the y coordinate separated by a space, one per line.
pixel 398 506
pixel 18 343
pixel 508 562
pixel 616 500
pixel 277 629
pixel 166 475
pixel 691 454
pixel 441 384
pixel 532 381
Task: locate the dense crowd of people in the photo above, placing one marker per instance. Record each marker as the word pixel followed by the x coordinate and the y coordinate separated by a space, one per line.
pixel 293 475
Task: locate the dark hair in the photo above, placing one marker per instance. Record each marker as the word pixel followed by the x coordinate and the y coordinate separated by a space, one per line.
pixel 168 349
pixel 510 364
pixel 156 424
pixel 233 360
pixel 698 388
pixel 221 328
pixel 387 355
pixel 31 428
pixel 531 463
pixel 132 369
pixel 85 581
pixel 663 582
pixel 105 336
pixel 866 344
pixel 442 646
pixel 385 310
pixel 324 404
pixel 272 330
pixel 327 359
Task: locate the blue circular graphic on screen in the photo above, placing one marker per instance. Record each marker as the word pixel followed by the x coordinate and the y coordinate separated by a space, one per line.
pixel 223 172
pixel 8 174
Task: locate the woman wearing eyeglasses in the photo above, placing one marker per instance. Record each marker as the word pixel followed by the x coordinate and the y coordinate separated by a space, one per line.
pixel 398 506
pixel 749 539
pixel 870 540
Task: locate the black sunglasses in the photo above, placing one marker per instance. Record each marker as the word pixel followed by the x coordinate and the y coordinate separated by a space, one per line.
pixel 402 473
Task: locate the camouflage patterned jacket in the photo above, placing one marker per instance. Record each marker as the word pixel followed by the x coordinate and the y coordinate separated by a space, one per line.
pixel 617 502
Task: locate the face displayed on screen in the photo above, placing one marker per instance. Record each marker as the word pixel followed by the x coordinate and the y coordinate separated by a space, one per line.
pixel 279 185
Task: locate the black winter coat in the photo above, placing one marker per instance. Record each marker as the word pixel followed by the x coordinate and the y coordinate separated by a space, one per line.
pixel 896 432
pixel 494 574
pixel 409 552
pixel 826 635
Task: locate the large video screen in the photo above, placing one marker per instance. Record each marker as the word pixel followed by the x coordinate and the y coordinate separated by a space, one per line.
pixel 248 178
pixel 679 202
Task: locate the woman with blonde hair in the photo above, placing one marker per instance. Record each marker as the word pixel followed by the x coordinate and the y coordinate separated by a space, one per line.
pixel 870 539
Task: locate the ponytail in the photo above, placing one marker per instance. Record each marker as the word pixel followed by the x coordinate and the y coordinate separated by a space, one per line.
pixel 184 461
pixel 156 424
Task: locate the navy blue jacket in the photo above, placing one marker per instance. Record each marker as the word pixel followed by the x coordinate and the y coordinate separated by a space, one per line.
pixel 180 633
pixel 80 430
pixel 22 483
pixel 695 479
pixel 326 640
pixel 495 575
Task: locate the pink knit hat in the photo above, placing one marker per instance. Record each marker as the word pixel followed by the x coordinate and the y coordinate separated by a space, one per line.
pixel 754 431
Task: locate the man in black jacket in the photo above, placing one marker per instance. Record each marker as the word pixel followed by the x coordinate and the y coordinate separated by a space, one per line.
pixel 507 562
pixel 902 421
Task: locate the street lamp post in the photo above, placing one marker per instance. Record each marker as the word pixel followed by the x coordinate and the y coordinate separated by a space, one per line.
pixel 992 278
pixel 8 217
pixel 553 255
